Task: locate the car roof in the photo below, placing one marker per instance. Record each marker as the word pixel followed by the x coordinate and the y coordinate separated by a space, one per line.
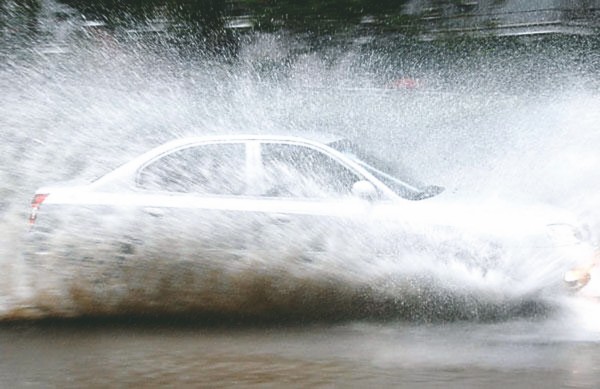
pixel 311 137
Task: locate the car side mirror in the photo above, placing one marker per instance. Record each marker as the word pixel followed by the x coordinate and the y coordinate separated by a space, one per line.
pixel 364 190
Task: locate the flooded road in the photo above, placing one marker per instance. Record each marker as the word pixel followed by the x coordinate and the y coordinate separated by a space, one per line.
pixel 536 353
pixel 515 121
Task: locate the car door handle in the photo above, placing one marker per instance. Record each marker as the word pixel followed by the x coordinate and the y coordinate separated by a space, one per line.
pixel 156 212
pixel 281 218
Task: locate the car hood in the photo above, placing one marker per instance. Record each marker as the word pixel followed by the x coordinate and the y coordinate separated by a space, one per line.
pixel 494 216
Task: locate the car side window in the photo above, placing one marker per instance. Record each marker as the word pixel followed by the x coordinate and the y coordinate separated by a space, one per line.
pixel 216 169
pixel 299 171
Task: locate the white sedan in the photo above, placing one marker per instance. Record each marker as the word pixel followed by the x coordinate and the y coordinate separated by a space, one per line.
pixel 230 197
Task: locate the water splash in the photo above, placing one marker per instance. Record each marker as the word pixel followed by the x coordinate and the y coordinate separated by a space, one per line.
pixel 105 96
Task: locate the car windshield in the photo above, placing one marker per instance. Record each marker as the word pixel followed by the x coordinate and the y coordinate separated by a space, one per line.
pixel 387 172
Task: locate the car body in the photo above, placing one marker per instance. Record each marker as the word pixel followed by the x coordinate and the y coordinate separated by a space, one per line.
pixel 231 199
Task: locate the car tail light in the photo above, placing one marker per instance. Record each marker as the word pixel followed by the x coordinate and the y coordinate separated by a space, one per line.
pixel 38 199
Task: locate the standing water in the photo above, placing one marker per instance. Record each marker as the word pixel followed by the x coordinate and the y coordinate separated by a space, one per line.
pixel 515 121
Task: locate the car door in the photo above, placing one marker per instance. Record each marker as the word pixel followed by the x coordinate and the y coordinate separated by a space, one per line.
pixel 308 209
pixel 189 204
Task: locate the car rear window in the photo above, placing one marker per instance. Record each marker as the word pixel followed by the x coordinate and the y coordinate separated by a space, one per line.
pixel 217 169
